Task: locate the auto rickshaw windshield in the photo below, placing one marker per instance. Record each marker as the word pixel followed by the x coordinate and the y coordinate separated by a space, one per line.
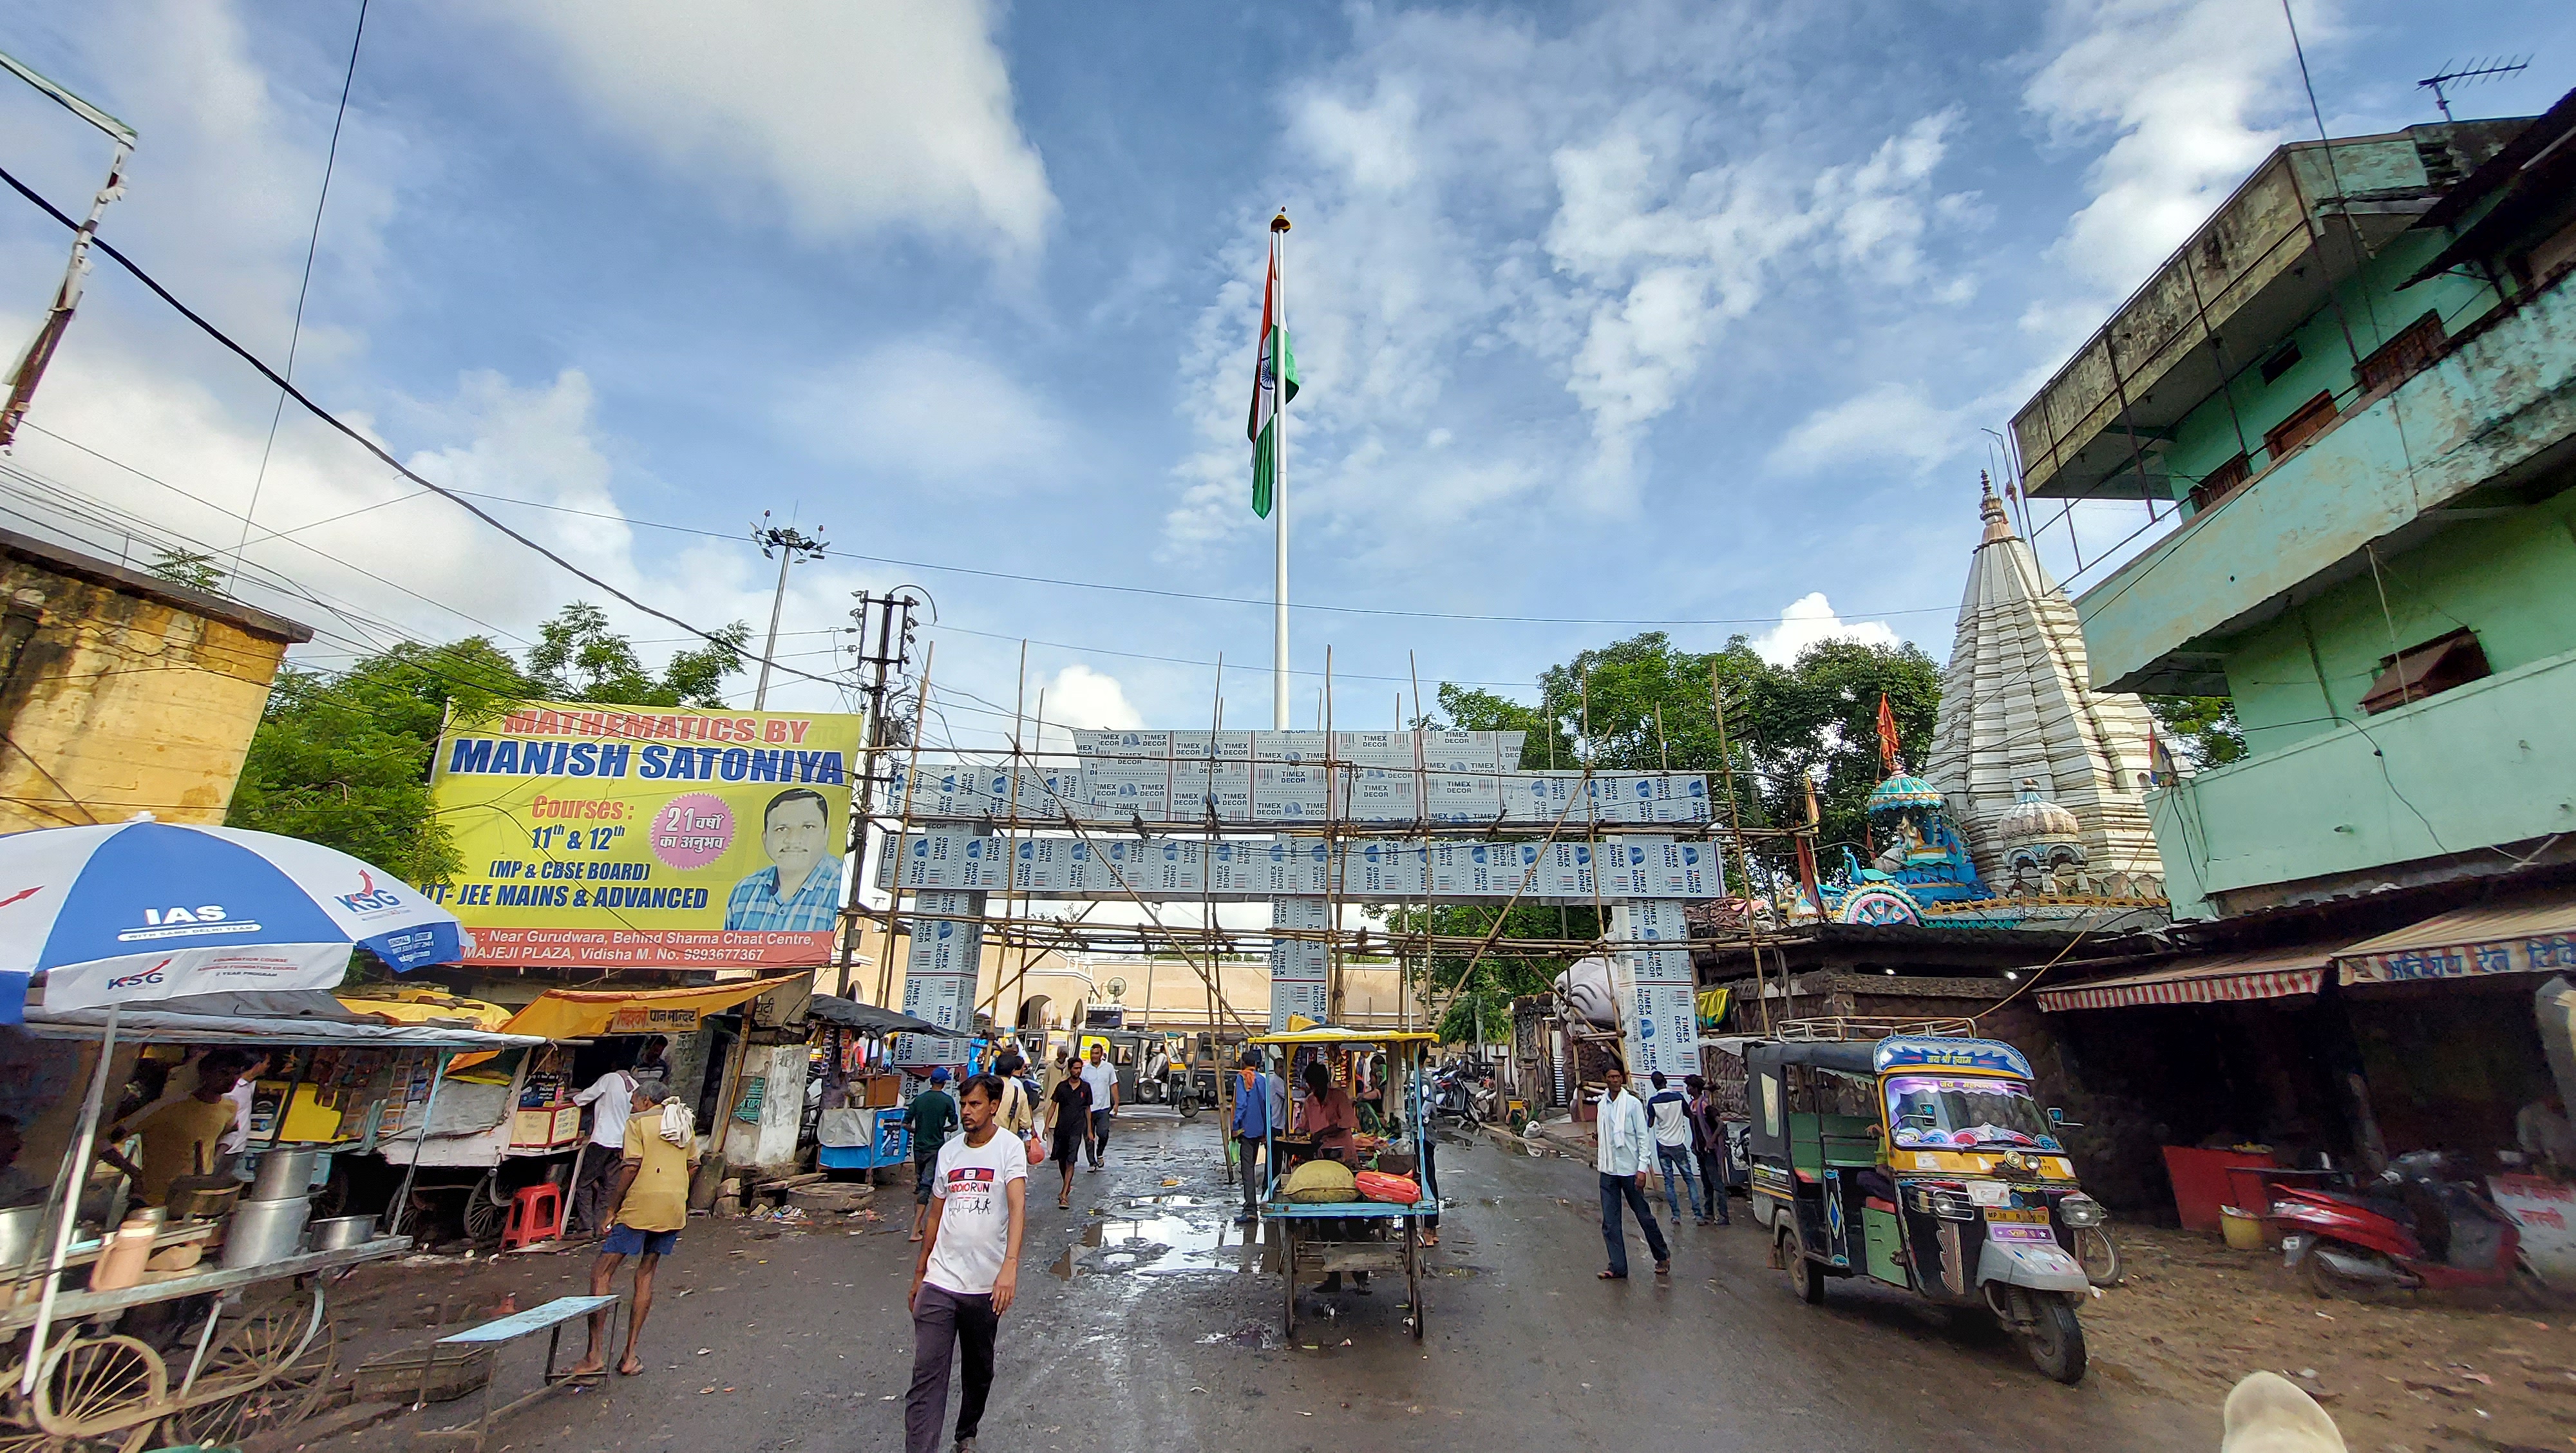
pixel 1928 1111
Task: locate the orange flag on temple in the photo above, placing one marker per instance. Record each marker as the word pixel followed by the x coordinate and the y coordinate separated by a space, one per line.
pixel 1886 734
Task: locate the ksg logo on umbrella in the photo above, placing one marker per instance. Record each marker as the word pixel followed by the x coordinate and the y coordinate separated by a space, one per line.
pixel 143 980
pixel 369 898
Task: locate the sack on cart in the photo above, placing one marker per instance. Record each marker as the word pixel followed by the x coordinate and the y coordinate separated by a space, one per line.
pixel 1324 1181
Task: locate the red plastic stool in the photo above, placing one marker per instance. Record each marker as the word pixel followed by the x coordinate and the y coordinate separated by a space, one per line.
pixel 536 1214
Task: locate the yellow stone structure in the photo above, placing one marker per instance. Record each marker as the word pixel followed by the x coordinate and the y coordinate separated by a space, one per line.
pixel 121 692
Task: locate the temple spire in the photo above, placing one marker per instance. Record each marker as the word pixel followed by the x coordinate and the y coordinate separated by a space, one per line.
pixel 2017 703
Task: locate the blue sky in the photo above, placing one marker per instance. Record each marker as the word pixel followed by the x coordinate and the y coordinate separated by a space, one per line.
pixel 1666 312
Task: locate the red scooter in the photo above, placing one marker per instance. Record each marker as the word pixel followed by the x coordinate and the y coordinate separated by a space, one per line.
pixel 2419 1227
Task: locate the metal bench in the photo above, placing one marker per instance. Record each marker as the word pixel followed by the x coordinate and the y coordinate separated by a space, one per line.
pixel 549 1319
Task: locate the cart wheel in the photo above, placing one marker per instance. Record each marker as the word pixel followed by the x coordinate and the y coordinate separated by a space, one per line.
pixel 1413 1273
pixel 485 1211
pixel 266 1371
pixel 97 1392
pixel 19 1438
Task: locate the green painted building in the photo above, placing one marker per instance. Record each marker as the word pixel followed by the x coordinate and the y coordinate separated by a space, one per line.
pixel 2351 402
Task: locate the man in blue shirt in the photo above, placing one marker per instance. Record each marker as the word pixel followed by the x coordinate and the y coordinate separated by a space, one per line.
pixel 801 887
pixel 1251 1127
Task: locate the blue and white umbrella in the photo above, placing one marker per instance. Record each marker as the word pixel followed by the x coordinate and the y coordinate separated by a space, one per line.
pixel 144 910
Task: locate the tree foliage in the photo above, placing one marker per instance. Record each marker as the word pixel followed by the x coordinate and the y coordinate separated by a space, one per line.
pixel 578 658
pixel 2201 728
pixel 343 759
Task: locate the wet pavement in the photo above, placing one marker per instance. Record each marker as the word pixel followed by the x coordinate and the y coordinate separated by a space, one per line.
pixel 1145 1322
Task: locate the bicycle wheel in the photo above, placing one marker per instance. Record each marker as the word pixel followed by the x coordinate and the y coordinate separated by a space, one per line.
pixel 266 1371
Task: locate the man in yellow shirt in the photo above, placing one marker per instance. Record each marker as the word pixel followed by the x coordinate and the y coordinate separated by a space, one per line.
pixel 181 1137
pixel 651 1193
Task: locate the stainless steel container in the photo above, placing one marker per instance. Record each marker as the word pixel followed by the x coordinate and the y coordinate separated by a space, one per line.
pixel 338 1233
pixel 264 1231
pixel 18 1227
pixel 285 1174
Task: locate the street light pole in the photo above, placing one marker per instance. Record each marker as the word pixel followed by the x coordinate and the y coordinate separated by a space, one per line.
pixel 789 546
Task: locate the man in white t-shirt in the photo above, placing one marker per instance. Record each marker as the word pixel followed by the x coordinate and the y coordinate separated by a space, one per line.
pixel 969 1268
pixel 1102 1077
pixel 611 1099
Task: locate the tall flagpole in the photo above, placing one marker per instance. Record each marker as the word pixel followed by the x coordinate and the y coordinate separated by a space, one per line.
pixel 1279 480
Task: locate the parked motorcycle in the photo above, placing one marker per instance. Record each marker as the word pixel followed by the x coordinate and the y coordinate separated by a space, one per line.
pixel 1464 1095
pixel 2425 1224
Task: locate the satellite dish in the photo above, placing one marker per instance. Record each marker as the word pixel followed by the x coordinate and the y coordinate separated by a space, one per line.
pixel 1117 988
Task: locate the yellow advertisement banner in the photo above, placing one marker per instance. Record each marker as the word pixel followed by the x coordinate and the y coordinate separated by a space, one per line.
pixel 647 838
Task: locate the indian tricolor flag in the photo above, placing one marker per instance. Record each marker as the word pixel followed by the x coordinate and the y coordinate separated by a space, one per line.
pixel 1275 362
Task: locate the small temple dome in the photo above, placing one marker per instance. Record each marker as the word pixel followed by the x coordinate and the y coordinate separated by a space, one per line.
pixel 2036 819
pixel 1900 792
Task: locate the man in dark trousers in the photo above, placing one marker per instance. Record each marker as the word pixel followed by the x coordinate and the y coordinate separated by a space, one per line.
pixel 1251 1129
pixel 968 1271
pixel 1626 1156
pixel 930 1116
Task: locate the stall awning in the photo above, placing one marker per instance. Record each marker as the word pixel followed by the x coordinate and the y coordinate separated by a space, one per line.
pixel 2272 973
pixel 159 1025
pixel 866 1018
pixel 580 1013
pixel 2526 933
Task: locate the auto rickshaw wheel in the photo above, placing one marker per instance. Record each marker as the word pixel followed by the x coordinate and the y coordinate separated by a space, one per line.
pixel 1804 1279
pixel 2053 1338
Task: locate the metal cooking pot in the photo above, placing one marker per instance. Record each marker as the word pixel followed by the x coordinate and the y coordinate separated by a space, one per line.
pixel 18 1226
pixel 264 1231
pixel 285 1174
pixel 338 1233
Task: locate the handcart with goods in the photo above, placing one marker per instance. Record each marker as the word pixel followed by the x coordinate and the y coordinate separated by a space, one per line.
pixel 1308 1241
pixel 227 1331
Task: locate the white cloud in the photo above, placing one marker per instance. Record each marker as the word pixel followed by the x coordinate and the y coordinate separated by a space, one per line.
pixel 1507 231
pixel 852 114
pixel 2187 90
pixel 1892 422
pixel 926 412
pixel 1810 619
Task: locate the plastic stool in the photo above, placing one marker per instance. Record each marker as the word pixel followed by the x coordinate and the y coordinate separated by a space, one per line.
pixel 536 1214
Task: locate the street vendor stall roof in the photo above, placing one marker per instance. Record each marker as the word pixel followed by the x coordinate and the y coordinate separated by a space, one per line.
pixel 210 1019
pixel 582 1013
pixel 2521 933
pixel 866 1018
pixel 2267 973
pixel 1332 1034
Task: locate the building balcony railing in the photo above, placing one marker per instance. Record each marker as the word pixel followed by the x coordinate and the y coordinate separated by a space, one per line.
pixel 2477 766
pixel 2458 437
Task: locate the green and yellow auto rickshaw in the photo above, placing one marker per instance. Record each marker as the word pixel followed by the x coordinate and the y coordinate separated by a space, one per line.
pixel 1922 1162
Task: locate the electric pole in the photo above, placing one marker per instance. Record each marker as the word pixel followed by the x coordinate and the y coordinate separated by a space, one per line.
pixel 30 367
pixel 789 546
pixel 893 618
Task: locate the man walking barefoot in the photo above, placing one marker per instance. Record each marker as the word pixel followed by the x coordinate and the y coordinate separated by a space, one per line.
pixel 969 1269
pixel 1627 1153
pixel 651 1194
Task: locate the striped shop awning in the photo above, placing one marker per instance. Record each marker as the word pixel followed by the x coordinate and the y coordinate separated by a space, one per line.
pixel 2272 973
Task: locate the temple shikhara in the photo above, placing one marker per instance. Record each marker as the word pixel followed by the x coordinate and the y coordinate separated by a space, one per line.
pixel 2032 805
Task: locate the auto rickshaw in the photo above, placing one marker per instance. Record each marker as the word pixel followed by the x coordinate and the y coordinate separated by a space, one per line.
pixel 1920 1161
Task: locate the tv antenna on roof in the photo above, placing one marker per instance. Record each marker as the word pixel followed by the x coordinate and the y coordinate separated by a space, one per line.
pixel 2476 70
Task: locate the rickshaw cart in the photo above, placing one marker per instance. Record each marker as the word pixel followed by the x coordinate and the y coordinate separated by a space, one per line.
pixel 263 1352
pixel 1920 1161
pixel 1316 1239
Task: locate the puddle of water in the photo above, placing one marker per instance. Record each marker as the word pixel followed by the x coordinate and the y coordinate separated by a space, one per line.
pixel 1157 1246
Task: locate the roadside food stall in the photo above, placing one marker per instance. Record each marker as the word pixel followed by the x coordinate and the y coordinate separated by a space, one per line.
pixel 1317 1238
pixel 860 1125
pixel 204 1317
pixel 158 934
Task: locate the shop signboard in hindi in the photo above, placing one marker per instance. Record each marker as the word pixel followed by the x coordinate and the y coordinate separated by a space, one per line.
pixel 647 838
pixel 636 1019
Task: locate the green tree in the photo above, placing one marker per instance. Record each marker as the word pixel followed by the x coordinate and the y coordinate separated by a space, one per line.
pixel 345 762
pixel 2202 728
pixel 578 658
pixel 192 568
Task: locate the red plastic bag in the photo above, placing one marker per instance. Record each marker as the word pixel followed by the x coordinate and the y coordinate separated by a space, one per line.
pixel 1398 1190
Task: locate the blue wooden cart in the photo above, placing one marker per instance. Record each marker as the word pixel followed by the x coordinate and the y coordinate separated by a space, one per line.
pixel 1309 1240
